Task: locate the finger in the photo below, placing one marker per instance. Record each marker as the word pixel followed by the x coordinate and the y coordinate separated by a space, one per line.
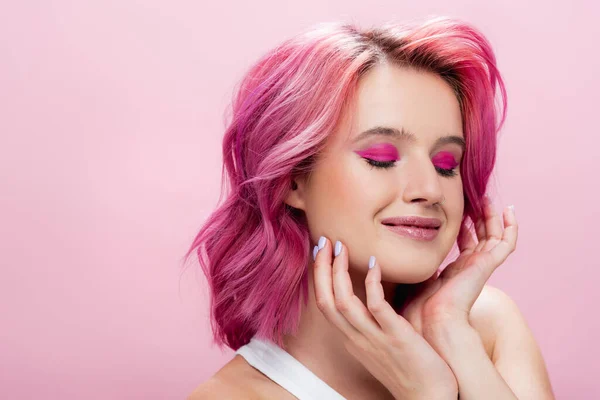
pixel 480 226
pixel 480 231
pixel 493 226
pixel 346 302
pixel 323 286
pixel 508 242
pixel 468 243
pixel 390 322
pixel 488 261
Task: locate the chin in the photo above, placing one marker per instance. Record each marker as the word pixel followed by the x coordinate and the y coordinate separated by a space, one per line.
pixel 409 269
pixel 411 262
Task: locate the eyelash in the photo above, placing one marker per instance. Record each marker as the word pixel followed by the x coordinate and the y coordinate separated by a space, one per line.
pixel 390 164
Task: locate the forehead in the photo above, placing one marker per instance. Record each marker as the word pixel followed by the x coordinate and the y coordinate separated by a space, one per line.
pixel 402 98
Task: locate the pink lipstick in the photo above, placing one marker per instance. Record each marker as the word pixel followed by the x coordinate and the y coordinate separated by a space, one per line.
pixel 414 227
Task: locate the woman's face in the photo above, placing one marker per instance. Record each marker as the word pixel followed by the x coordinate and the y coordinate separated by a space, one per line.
pixel 347 199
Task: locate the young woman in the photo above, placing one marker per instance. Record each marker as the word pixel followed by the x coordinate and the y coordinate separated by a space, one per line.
pixel 353 163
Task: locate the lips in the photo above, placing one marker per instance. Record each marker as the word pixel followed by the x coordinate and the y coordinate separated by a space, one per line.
pixel 413 221
pixel 414 227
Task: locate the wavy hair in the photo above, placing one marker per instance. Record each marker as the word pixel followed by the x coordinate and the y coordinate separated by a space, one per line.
pixel 254 249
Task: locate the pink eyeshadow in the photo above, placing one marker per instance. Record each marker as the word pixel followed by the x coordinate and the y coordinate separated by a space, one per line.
pixel 445 160
pixel 380 152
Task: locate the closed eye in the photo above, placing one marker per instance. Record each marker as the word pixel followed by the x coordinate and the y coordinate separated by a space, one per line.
pixel 446 172
pixel 389 164
pixel 380 164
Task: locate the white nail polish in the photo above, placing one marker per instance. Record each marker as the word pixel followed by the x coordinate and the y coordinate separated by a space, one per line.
pixel 315 251
pixel 371 262
pixel 321 242
pixel 338 248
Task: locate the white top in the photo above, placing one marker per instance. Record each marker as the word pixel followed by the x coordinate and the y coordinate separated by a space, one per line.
pixel 277 364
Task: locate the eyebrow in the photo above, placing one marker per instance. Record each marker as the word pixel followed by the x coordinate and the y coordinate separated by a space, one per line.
pixel 406 135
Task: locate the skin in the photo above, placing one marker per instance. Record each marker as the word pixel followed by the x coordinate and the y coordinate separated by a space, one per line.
pixel 388 96
pixel 345 199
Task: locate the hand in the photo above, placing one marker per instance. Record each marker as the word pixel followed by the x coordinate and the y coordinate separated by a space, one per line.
pixel 383 341
pixel 446 300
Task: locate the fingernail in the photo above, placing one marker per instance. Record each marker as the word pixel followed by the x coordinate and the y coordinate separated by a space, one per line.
pixel 371 262
pixel 512 208
pixel 321 242
pixel 338 248
pixel 315 250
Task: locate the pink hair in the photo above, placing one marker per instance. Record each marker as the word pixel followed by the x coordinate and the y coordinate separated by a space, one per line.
pixel 254 249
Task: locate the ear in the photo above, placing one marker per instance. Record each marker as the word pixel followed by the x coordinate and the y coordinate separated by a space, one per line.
pixel 297 195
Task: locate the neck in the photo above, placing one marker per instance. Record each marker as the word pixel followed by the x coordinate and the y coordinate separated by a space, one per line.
pixel 319 345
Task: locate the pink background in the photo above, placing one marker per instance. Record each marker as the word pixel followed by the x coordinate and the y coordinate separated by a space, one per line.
pixel 110 130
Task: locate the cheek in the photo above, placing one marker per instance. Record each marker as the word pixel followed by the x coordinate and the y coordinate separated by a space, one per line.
pixel 454 200
pixel 341 191
pixel 350 187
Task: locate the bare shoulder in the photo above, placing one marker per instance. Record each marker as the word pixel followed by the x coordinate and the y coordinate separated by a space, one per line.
pixel 495 314
pixel 514 350
pixel 485 315
pixel 214 388
pixel 239 380
pixel 491 303
pixel 222 384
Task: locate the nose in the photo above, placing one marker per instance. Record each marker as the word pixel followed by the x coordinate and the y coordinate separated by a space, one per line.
pixel 422 183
